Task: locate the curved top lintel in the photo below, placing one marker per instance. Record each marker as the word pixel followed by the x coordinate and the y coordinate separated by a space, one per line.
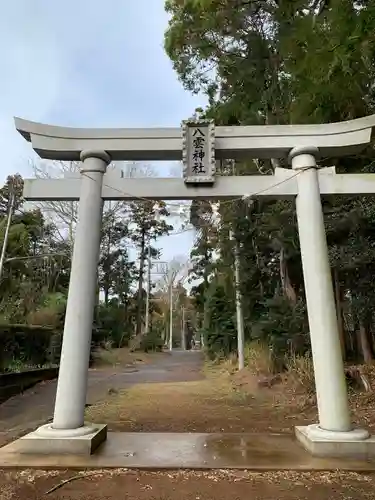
pixel 26 128
pixel 257 141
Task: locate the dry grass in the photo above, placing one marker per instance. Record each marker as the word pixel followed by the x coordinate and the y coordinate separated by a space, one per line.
pixel 165 405
pixel 220 366
pixel 229 365
pixel 259 359
pixel 44 316
pixel 301 370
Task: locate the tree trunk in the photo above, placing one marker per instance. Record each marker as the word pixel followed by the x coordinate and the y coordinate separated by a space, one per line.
pixel 107 272
pixel 206 319
pixel 257 258
pixel 140 286
pixel 339 311
pixel 364 343
pixel 285 280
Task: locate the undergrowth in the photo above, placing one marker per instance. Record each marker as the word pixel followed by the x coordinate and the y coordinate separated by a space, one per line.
pixel 261 361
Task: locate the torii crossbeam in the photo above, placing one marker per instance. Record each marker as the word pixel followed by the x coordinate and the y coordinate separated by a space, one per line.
pixel 283 184
pixel 301 144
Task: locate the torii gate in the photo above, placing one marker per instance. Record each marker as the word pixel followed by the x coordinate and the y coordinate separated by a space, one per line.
pixel 301 144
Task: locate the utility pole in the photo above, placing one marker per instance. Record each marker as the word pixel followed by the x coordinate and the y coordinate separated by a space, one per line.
pixel 240 327
pixel 183 338
pixel 148 291
pixel 165 334
pixel 6 234
pixel 171 315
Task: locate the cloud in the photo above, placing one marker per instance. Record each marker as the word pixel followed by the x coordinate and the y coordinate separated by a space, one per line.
pixel 86 64
pixel 90 64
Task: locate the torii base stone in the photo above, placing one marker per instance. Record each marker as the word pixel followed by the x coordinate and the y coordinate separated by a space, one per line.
pixel 48 441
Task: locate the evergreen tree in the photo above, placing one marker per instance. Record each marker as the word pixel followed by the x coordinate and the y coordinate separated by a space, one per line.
pixel 284 63
pixel 148 226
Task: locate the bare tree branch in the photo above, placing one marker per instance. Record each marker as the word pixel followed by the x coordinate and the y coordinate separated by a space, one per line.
pixel 175 273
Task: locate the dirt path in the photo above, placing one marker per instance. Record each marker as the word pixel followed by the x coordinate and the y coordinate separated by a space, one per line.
pixel 179 399
pixel 194 403
pixel 221 485
pixel 34 407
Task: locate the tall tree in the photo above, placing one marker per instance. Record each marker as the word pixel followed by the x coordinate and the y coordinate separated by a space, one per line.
pixel 116 272
pixel 284 62
pixel 147 226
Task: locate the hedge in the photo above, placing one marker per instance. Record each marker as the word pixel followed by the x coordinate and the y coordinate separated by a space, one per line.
pixel 35 346
pixel 12 384
pixel 25 343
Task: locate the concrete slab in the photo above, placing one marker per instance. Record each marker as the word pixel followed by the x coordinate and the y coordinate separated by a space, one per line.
pixel 187 451
pixel 362 449
pixel 35 443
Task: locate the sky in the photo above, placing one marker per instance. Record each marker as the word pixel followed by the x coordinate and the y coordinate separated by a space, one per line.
pixel 87 64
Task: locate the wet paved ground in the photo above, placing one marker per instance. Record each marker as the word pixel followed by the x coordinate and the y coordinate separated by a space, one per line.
pixel 173 451
pixel 27 411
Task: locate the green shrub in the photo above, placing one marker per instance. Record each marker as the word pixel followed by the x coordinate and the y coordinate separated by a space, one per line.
pixel 25 343
pixel 220 335
pixel 152 341
pixel 111 324
pixel 36 346
pixel 283 327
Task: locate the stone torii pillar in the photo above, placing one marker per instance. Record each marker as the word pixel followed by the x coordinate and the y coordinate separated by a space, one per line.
pixel 330 383
pixel 334 434
pixel 74 363
pixel 68 432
